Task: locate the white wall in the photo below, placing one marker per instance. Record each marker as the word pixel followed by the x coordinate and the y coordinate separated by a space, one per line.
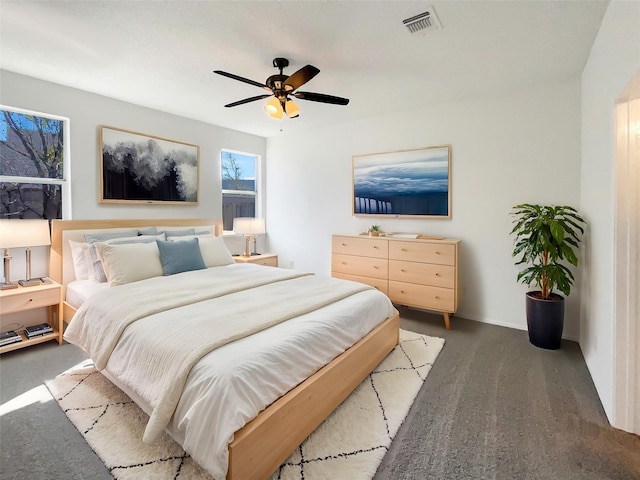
pixel 614 60
pixel 88 111
pixel 518 146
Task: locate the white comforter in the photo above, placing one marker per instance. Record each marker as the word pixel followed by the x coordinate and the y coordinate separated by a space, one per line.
pixel 119 332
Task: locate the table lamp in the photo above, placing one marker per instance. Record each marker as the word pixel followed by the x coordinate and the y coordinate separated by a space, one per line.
pixel 249 227
pixel 20 233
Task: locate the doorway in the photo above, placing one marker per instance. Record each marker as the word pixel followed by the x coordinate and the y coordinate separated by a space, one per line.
pixel 626 414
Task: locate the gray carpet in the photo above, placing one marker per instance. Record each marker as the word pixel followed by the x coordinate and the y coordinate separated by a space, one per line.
pixel 493 407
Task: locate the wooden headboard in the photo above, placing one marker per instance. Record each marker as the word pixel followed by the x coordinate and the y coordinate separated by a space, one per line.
pixel 59 249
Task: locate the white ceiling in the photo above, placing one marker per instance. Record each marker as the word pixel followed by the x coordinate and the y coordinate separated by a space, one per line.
pixel 161 54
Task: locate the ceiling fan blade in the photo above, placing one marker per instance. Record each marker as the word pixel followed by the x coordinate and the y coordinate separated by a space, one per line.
pixel 321 97
pixel 299 78
pixel 247 100
pixel 241 79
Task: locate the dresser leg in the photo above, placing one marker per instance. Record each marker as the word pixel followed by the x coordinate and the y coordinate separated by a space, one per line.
pixel 446 321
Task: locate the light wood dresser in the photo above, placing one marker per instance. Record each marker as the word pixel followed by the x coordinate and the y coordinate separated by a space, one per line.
pixel 416 272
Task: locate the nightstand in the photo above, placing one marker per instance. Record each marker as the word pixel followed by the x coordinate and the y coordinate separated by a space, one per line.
pixel 27 298
pixel 267 259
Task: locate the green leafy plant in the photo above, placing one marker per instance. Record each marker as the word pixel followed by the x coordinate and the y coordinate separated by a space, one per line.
pixel 546 236
pixel 374 228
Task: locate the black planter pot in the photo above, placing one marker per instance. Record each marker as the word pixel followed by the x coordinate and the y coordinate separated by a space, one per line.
pixel 545 320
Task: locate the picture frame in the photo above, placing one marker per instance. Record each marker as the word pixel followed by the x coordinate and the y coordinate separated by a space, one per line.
pixel 138 168
pixel 403 184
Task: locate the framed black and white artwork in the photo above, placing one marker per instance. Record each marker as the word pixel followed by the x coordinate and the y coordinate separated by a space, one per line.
pixel 140 168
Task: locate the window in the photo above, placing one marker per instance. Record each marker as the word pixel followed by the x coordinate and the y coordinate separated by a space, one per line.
pixel 240 174
pixel 34 165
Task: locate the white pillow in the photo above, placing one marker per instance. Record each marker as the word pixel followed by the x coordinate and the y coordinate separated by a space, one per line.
pixel 214 252
pixel 137 239
pixel 91 271
pixel 130 262
pixel 98 273
pixel 78 255
pixel 98 267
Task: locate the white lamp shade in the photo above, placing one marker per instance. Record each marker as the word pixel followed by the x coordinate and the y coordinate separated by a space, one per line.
pixel 24 233
pixel 249 225
pixel 292 109
pixel 274 108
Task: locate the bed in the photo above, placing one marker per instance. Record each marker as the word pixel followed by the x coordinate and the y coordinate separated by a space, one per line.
pixel 265 440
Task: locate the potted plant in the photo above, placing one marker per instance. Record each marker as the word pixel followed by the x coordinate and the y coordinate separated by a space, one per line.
pixel 374 230
pixel 546 237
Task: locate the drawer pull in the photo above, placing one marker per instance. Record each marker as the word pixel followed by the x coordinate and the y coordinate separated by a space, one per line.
pixel 402 270
pixel 376 267
pixel 344 244
pixel 344 263
pixel 31 299
pixel 375 247
pixel 437 297
pixel 437 274
pixel 401 291
pixel 437 252
pixel 403 249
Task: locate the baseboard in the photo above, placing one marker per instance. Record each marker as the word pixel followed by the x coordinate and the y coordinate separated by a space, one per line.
pixel 567 336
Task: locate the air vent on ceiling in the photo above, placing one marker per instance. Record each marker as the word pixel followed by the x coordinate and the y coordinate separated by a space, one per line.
pixel 425 21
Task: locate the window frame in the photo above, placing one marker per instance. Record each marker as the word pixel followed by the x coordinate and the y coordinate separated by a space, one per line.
pixel 65 181
pixel 258 183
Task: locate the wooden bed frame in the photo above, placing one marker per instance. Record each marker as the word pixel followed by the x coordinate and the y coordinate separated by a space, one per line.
pixel 261 446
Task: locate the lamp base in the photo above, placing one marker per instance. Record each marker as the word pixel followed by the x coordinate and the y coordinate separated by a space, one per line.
pixel 8 286
pixel 30 283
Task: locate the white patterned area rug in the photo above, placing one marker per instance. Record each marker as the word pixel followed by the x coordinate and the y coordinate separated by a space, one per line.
pixel 350 444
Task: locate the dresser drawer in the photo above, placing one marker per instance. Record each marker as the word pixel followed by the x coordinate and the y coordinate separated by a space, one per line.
pixel 361 266
pixel 422 296
pixel 422 273
pixel 440 253
pixel 26 300
pixel 378 283
pixel 363 247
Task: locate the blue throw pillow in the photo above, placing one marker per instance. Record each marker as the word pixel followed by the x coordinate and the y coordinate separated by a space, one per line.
pixel 179 233
pixel 178 257
pixel 148 231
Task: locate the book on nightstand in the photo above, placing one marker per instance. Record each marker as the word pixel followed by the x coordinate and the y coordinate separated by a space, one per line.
pixel 38 330
pixel 7 338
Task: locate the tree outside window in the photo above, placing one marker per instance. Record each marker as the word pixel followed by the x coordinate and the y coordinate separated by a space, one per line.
pixel 33 164
pixel 239 186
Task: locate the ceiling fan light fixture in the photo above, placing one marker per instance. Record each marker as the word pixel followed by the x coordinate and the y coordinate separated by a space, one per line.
pixel 274 108
pixel 292 109
pixel 281 86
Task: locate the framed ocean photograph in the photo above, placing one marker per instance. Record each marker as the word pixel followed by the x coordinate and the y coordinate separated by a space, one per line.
pixel 139 168
pixel 404 183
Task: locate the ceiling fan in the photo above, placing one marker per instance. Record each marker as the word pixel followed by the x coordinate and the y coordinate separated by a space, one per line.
pixel 281 87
